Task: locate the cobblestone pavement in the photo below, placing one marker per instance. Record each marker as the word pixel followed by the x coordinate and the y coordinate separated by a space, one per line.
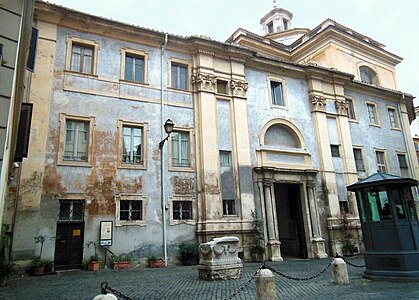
pixel 183 283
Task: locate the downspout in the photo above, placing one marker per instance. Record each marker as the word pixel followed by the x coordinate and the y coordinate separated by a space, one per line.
pixel 162 164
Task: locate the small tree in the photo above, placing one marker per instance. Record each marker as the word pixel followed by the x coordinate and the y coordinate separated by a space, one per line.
pixel 258 247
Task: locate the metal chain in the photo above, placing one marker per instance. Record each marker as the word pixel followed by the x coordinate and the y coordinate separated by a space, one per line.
pixel 232 296
pixel 297 278
pixel 349 263
pixel 105 288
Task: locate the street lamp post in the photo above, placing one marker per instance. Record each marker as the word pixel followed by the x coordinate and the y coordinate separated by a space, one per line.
pixel 168 128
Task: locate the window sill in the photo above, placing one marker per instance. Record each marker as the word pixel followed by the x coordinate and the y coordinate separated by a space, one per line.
pixel 181 169
pixel 120 223
pixel 68 163
pixel 395 128
pixel 353 121
pixel 375 125
pixel 274 106
pixel 230 216
pixel 132 167
pixel 179 90
pixel 135 83
pixel 87 75
pixel 184 222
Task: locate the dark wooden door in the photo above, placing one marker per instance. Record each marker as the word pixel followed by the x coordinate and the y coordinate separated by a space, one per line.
pixel 296 213
pixel 69 245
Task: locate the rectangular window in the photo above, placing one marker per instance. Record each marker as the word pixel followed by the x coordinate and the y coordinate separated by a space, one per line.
pixel 82 58
pixel 270 27
pixel 372 114
pixel 130 210
pixel 277 93
pixel 392 115
pixel 182 210
pixel 222 87
pixel 71 210
pixel 134 68
pixel 351 110
pixel 179 76
pixel 404 169
pixel 359 162
pixel 132 145
pixel 76 141
pixel 229 207
pixel 381 163
pixel 180 149
pixel 335 150
pixel 225 158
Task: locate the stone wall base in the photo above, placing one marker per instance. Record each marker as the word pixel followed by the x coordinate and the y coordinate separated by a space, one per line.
pixel 220 272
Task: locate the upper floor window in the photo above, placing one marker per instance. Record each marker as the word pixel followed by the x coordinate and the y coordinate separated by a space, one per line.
pixel 359 161
pixel 277 93
pixel 286 24
pixel 270 27
pixel 76 140
pixel 392 115
pixel 381 161
pixel 225 158
pixel 222 87
pixel 335 150
pixel 351 109
pixel 132 145
pixel 179 74
pixel 180 149
pixel 404 169
pixel 368 75
pixel 134 68
pixel 372 114
pixel 81 55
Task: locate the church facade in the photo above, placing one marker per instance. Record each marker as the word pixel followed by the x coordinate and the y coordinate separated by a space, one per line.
pixel 278 124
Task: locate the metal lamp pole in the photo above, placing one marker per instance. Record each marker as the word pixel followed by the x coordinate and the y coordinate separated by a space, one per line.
pixel 168 128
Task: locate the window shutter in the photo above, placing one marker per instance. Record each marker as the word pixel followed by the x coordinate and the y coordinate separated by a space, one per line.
pixel 23 131
pixel 30 65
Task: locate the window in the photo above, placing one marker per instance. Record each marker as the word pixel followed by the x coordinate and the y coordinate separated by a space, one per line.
pixel 404 169
pixel 286 24
pixel 81 55
pixel 76 140
pixel 180 149
pixel 134 68
pixel 359 162
pixel 372 114
pixel 229 207
pixel 335 150
pixel 130 210
pixel 179 76
pixel 381 163
pixel 222 87
pixel 351 110
pixel 392 115
pixel 379 205
pixel 368 75
pixel 71 211
pixel 182 210
pixel 270 27
pixel 225 158
pixel 277 93
pixel 132 141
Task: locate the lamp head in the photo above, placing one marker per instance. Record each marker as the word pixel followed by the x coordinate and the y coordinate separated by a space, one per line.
pixel 168 126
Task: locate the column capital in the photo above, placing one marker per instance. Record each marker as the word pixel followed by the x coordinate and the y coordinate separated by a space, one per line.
pixel 239 88
pixel 341 107
pixel 204 82
pixel 318 103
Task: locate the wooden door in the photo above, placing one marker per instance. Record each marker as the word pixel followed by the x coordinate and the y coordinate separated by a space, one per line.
pixel 69 245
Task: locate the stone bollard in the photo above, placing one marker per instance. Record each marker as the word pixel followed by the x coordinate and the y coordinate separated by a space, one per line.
pixel 105 297
pixel 265 285
pixel 340 272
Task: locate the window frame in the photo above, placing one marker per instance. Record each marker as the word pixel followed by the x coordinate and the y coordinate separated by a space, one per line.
pixel 229 158
pixel 71 202
pixel 282 81
pixel 63 126
pixel 144 140
pixel 351 107
pixel 182 198
pixel 375 82
pixel 396 117
pixel 135 53
pixel 188 66
pixel 83 42
pixel 173 167
pixel 332 151
pixel 227 86
pixel 373 104
pixel 131 197
pixel 385 163
pixel 362 159
pixel 404 154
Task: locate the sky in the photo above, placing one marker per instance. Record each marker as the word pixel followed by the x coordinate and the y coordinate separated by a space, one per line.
pixel 392 23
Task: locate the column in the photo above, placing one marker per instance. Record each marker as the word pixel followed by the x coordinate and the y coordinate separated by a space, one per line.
pixel 317 241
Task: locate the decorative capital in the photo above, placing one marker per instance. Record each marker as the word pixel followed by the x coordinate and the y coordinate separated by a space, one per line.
pixel 204 82
pixel 318 103
pixel 341 107
pixel 239 88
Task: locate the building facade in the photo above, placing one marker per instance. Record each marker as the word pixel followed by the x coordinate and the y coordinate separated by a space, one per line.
pixel 260 125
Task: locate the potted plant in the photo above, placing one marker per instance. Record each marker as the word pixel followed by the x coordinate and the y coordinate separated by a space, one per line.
pixel 5 270
pixel 349 249
pixel 188 253
pixel 121 262
pixel 154 262
pixel 257 250
pixel 38 265
pixel 93 264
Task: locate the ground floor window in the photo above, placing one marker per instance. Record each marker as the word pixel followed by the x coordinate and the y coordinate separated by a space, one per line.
pixel 131 209
pixel 229 207
pixel 182 210
pixel 71 210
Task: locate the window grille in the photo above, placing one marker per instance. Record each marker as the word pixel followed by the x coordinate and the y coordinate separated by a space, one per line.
pixel 71 210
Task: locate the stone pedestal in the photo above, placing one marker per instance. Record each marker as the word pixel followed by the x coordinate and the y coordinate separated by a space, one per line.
pixel 218 259
pixel 274 251
pixel 319 248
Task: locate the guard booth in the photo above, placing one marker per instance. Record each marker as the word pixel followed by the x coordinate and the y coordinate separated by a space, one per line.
pixel 389 225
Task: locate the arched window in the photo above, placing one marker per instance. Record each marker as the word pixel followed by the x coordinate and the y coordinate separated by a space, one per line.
pixel 368 75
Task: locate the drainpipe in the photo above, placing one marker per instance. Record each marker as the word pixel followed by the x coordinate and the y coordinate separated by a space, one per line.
pixel 162 164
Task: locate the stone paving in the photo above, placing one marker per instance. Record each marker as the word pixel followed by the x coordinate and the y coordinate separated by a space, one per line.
pixel 183 283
